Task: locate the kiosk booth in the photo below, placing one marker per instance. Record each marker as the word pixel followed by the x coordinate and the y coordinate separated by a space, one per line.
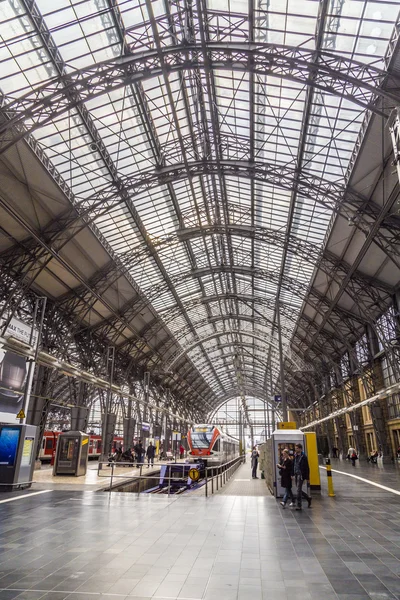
pixel 72 454
pixel 286 436
pixel 281 439
pixel 17 456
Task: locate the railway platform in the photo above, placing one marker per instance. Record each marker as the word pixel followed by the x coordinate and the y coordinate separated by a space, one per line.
pixel 56 544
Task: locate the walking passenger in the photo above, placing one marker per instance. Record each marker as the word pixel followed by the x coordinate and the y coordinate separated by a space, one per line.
pixel 150 453
pixel 286 472
pixel 352 455
pixel 139 453
pixel 254 462
pixel 302 474
pixel 181 451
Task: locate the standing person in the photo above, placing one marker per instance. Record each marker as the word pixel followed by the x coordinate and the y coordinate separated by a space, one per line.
pixel 150 453
pixel 254 462
pixel 302 474
pixel 139 453
pixel 286 470
pixel 335 452
pixel 181 451
pixel 352 455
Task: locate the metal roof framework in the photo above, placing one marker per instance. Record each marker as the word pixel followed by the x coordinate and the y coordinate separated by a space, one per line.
pixel 210 147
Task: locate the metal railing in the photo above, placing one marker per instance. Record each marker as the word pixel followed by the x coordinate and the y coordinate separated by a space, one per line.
pixel 134 477
pixel 215 477
pixel 224 473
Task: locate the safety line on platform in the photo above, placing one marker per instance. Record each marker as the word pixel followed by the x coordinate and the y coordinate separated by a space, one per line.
pixel 25 496
pixel 383 487
pixel 80 593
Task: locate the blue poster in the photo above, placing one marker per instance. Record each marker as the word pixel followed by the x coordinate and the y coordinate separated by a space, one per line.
pixel 9 437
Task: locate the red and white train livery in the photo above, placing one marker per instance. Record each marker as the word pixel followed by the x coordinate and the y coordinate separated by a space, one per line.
pixel 49 444
pixel 210 444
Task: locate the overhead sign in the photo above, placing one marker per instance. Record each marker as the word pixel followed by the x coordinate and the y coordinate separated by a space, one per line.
pixel 13 370
pixel 176 436
pixel 20 331
pixel 278 398
pixel 145 426
pixel 194 474
pixel 287 425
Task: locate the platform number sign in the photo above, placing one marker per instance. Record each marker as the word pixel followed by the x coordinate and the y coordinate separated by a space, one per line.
pixel 194 474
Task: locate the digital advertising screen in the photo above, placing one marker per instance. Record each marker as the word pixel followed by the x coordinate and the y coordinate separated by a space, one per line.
pixel 9 438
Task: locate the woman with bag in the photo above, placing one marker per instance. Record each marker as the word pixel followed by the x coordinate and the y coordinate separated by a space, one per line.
pixel 286 473
pixel 352 455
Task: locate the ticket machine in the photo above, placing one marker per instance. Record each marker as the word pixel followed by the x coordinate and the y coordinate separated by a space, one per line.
pixel 72 454
pixel 17 456
pixel 281 439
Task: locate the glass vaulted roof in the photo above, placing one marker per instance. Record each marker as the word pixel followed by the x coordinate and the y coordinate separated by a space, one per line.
pixel 218 235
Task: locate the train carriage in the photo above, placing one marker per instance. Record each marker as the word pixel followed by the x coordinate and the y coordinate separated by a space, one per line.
pixel 211 445
pixel 49 445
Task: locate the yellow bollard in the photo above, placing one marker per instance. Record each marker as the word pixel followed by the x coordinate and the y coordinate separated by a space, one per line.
pixel 329 475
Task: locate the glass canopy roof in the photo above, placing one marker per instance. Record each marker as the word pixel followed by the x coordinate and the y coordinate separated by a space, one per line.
pixel 227 280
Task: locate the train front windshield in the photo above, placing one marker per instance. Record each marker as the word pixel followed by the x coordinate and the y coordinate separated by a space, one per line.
pixel 201 440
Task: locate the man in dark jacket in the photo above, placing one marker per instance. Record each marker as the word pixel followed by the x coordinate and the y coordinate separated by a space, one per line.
pixel 139 451
pixel 302 473
pixel 150 452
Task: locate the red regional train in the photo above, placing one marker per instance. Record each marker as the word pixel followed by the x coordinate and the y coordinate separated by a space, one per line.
pixel 211 445
pixel 49 444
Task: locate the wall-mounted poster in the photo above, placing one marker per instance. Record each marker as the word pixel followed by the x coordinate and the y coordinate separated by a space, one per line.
pixel 13 371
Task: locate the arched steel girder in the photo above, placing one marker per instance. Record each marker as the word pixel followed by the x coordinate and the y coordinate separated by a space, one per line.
pixel 320 353
pixel 326 261
pixel 256 392
pixel 220 364
pixel 312 253
pixel 269 302
pixel 234 351
pixel 331 195
pixel 296 361
pixel 221 318
pixel 342 316
pixel 328 193
pixel 71 218
pixel 261 320
pixel 298 377
pixel 298 288
pixel 357 82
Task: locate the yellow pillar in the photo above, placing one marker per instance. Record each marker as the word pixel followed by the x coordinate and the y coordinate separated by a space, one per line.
pixel 331 491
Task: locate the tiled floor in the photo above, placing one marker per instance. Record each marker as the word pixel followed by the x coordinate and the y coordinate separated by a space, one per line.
pixel 242 483
pixel 89 546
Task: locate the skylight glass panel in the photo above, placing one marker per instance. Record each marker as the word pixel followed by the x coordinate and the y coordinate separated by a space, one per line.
pixel 242 136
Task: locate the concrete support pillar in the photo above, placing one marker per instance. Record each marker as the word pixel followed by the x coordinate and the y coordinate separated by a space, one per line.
pixel 380 416
pixel 79 418
pixel 341 433
pixel 109 433
pixel 39 404
pixel 129 432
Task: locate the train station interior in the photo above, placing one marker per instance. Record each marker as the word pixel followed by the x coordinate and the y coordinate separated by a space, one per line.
pixel 200 299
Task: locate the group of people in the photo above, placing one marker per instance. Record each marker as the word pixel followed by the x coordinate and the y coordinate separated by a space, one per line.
pixel 352 455
pixel 294 468
pixel 138 454
pixel 291 468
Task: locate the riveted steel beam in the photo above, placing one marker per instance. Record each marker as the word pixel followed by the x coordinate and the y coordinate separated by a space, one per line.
pixel 359 83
